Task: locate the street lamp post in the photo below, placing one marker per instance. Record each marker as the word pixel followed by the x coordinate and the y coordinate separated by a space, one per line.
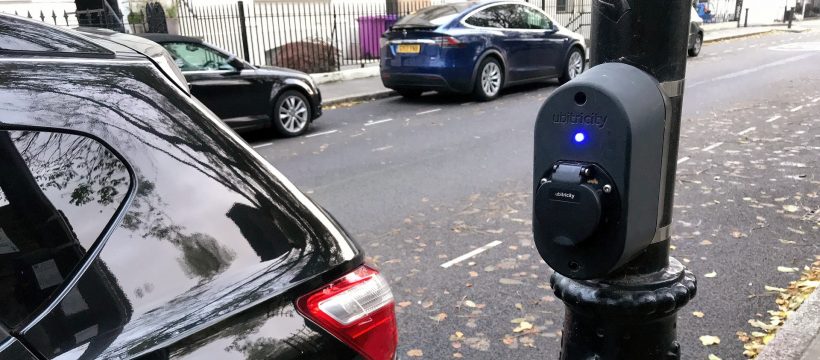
pixel 626 309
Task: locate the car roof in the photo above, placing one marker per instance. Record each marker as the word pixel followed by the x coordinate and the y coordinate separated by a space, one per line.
pixel 31 37
pixel 162 38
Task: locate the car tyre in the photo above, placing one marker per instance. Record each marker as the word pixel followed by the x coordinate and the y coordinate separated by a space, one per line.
pixel 489 79
pixel 291 114
pixel 695 50
pixel 574 65
pixel 410 93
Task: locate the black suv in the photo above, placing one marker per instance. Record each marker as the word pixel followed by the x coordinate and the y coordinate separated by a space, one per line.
pixel 135 225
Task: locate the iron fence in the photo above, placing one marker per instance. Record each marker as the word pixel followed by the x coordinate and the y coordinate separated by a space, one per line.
pixel 323 36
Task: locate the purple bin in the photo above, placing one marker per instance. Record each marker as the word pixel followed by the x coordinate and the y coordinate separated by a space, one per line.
pixel 370 30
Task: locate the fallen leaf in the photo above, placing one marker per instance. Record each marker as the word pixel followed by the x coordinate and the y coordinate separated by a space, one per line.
pixel 469 303
pixel 706 242
pixel 524 325
pixel 473 274
pixel 737 234
pixel 772 288
pixel 404 304
pixel 458 355
pixel 519 306
pixel 439 317
pixel 714 357
pixel 708 340
pixel 710 275
pixel 458 335
pixel 415 353
pixel 787 242
pixel 698 314
pixel 509 281
pixel 790 208
pixel 786 269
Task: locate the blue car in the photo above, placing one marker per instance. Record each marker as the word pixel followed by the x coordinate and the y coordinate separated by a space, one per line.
pixel 477 47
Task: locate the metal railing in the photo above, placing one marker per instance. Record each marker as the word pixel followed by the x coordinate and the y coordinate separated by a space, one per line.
pixel 321 36
pixel 104 17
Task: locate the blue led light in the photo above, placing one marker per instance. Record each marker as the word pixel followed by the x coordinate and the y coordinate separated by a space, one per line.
pixel 579 137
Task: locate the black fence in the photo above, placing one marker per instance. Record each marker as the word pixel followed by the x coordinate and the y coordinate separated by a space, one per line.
pixel 320 37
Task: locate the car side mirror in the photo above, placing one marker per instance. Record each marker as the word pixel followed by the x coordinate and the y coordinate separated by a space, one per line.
pixel 236 63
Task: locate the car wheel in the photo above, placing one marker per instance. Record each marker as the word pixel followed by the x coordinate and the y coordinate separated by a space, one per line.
pixel 695 50
pixel 575 65
pixel 409 93
pixel 489 80
pixel 291 114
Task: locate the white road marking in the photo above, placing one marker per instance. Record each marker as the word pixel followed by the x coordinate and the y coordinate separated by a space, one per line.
pixel 383 148
pixel 683 160
pixel 773 118
pixel 796 108
pixel 262 145
pixel 471 254
pixel 322 133
pixel 747 130
pixel 377 122
pixel 712 147
pixel 428 111
pixel 752 70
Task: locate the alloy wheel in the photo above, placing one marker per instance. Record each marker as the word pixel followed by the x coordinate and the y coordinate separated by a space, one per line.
pixel 491 79
pixel 293 114
pixel 575 65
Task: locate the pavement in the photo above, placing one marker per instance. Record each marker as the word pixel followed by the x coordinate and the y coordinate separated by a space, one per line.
pixel 421 183
pixel 370 88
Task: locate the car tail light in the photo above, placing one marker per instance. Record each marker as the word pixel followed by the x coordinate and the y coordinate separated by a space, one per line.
pixel 358 309
pixel 447 41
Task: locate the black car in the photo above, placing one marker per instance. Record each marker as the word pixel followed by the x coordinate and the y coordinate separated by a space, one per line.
pixel 134 224
pixel 245 96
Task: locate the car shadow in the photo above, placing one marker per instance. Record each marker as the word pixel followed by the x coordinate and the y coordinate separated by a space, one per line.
pixel 449 98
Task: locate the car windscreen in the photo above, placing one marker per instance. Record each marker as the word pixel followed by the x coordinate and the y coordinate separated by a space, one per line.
pixel 433 16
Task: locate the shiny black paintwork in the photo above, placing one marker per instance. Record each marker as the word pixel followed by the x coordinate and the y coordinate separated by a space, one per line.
pixel 209 237
pixel 253 89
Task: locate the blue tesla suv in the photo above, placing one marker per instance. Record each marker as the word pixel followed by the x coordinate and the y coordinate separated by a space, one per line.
pixel 477 47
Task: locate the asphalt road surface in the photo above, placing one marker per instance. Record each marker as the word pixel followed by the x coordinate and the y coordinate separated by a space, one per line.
pixel 437 192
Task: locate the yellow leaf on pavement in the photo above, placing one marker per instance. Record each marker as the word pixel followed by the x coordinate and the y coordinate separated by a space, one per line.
pixel 523 326
pixel 415 353
pixel 697 314
pixel 713 357
pixel 708 340
pixel 710 275
pixel 786 269
pixel 469 303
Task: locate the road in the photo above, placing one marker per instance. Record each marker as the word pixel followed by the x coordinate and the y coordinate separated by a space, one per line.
pixel 423 184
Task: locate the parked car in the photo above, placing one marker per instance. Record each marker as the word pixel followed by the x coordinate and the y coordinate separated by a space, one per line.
pixel 695 33
pixel 245 96
pixel 134 224
pixel 477 47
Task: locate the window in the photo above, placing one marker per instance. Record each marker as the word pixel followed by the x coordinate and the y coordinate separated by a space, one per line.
pixel 433 16
pixel 198 57
pixel 58 192
pixel 529 18
pixel 499 16
pixel 564 6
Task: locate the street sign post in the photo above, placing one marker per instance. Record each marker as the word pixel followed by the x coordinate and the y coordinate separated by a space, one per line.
pixel 605 158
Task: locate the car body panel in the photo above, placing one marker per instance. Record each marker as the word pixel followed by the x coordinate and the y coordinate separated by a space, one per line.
pixel 210 230
pixel 525 54
pixel 695 28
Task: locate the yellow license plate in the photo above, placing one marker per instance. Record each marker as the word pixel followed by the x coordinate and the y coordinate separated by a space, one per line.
pixel 409 48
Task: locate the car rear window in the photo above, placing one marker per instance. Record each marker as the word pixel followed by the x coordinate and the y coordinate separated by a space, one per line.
pixel 433 16
pixel 58 192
